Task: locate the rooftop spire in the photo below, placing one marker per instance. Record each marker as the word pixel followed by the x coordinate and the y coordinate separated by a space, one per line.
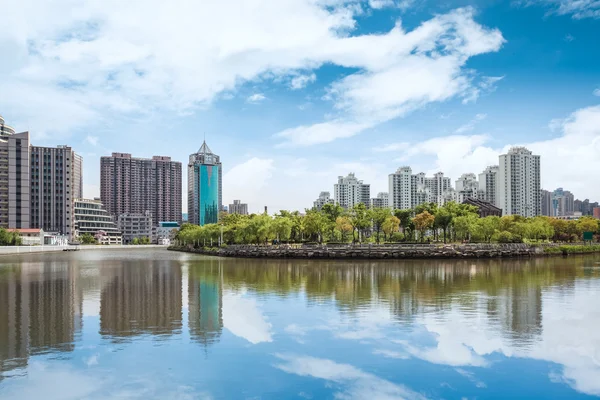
pixel 204 149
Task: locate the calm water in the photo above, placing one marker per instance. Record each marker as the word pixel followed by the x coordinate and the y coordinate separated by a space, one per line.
pixel 156 324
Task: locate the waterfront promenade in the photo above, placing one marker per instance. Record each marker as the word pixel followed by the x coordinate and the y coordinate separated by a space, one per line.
pixel 11 250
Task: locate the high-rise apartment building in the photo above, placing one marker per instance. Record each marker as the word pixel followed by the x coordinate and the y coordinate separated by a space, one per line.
pixel 349 191
pixel 488 184
pixel 238 208
pixel 402 188
pixel 324 198
pixel 14 178
pixel 467 187
pixel 56 180
pixel 546 198
pixel 205 190
pixel 381 201
pixel 130 185
pixel 562 203
pixel 518 183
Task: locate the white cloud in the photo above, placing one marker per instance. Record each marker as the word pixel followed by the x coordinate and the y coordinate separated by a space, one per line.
pixel 247 181
pixel 256 98
pixel 578 9
pixel 242 317
pixel 400 4
pixel 597 92
pixel 93 140
pixel 352 382
pixel 469 126
pixel 400 72
pixel 300 81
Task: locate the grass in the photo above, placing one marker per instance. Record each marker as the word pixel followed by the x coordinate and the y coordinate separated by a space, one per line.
pixel 573 249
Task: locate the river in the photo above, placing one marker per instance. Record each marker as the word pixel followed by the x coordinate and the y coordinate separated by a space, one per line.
pixel 156 324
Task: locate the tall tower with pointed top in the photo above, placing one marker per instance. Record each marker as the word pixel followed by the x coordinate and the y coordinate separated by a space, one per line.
pixel 205 190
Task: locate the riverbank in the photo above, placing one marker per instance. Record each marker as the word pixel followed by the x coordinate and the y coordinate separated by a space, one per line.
pixel 399 251
pixel 12 250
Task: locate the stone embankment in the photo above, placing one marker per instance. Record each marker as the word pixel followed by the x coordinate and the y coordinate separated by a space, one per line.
pixel 379 252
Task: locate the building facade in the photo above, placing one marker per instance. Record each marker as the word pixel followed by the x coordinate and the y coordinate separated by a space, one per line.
pixel 56 180
pixel 92 218
pixel 238 208
pixel 596 212
pixel 546 199
pixel 563 203
pixel 14 178
pixel 485 208
pixel 519 183
pixel 349 191
pixel 165 232
pixel 324 198
pixel 135 226
pixel 381 201
pixel 205 192
pixel 402 188
pixel 130 185
pixel 488 184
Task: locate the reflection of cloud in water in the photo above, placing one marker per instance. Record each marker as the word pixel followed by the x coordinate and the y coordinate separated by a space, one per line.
pixel 354 383
pixel 243 318
pixel 62 382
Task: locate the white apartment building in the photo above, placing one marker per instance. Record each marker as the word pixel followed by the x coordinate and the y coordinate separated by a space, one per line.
pixel 349 191
pixel 466 187
pixel 91 217
pixel 135 226
pixel 488 184
pixel 381 201
pixel 402 188
pixel 518 183
pixel 324 198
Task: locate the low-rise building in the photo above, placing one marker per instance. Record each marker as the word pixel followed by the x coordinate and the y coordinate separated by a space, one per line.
pixel 596 212
pixel 30 237
pixel 134 226
pixel 92 218
pixel 165 232
pixel 381 201
pixel 324 198
pixel 486 209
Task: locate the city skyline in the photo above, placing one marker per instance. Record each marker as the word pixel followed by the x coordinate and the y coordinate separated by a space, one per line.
pixel 354 86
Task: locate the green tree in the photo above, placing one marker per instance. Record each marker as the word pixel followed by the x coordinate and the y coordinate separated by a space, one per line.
pixel 390 225
pixel 344 226
pixel 315 224
pixel 359 217
pixel 423 221
pixel 379 216
pixel 282 227
pixel 465 225
pixel 443 221
pixel 488 226
pixel 87 238
pixel 331 213
pixel 405 218
pixel 588 224
pixel 8 238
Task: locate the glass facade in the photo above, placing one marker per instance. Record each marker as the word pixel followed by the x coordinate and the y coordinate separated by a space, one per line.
pixel 208 181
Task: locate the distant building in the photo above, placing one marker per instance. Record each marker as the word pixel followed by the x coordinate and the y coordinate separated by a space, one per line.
pixel 238 208
pixel 324 198
pixel 205 190
pixel 408 191
pixel 488 183
pixel 485 208
pixel 56 177
pixel 14 178
pixel 562 203
pixel 518 183
pixel 131 185
pixel 349 191
pixel 546 198
pixel 381 201
pixel 134 226
pixel 596 212
pixel 466 187
pixel 585 206
pixel 92 218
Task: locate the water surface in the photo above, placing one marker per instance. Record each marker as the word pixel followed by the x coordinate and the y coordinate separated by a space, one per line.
pixel 155 324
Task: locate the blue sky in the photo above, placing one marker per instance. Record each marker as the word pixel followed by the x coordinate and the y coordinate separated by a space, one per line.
pixel 293 93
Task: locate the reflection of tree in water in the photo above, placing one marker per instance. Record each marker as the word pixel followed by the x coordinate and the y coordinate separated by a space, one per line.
pixel 205 302
pixel 511 289
pixel 40 311
pixel 142 297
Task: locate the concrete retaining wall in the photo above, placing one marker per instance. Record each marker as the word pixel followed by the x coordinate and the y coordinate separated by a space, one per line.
pixel 373 251
pixel 9 250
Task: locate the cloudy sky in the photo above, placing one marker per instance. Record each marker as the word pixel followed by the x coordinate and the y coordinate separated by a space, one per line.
pixel 293 93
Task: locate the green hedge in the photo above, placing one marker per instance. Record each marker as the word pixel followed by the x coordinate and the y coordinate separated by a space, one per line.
pixel 572 249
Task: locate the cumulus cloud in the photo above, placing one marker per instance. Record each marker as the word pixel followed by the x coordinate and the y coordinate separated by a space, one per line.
pixel 256 98
pixel 597 92
pixel 247 180
pixel 93 140
pixel 300 81
pixel 243 318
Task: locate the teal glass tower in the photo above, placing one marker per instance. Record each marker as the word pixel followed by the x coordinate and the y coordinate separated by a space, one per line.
pixel 205 193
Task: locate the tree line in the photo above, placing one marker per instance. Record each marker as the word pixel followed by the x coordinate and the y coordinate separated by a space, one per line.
pixel 8 238
pixel 427 222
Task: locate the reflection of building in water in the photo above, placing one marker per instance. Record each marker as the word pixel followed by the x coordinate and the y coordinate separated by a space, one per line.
pixel 141 298
pixel 41 311
pixel 205 290
pixel 520 311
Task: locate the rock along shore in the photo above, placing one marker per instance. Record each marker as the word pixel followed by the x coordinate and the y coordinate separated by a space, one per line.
pixel 368 252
